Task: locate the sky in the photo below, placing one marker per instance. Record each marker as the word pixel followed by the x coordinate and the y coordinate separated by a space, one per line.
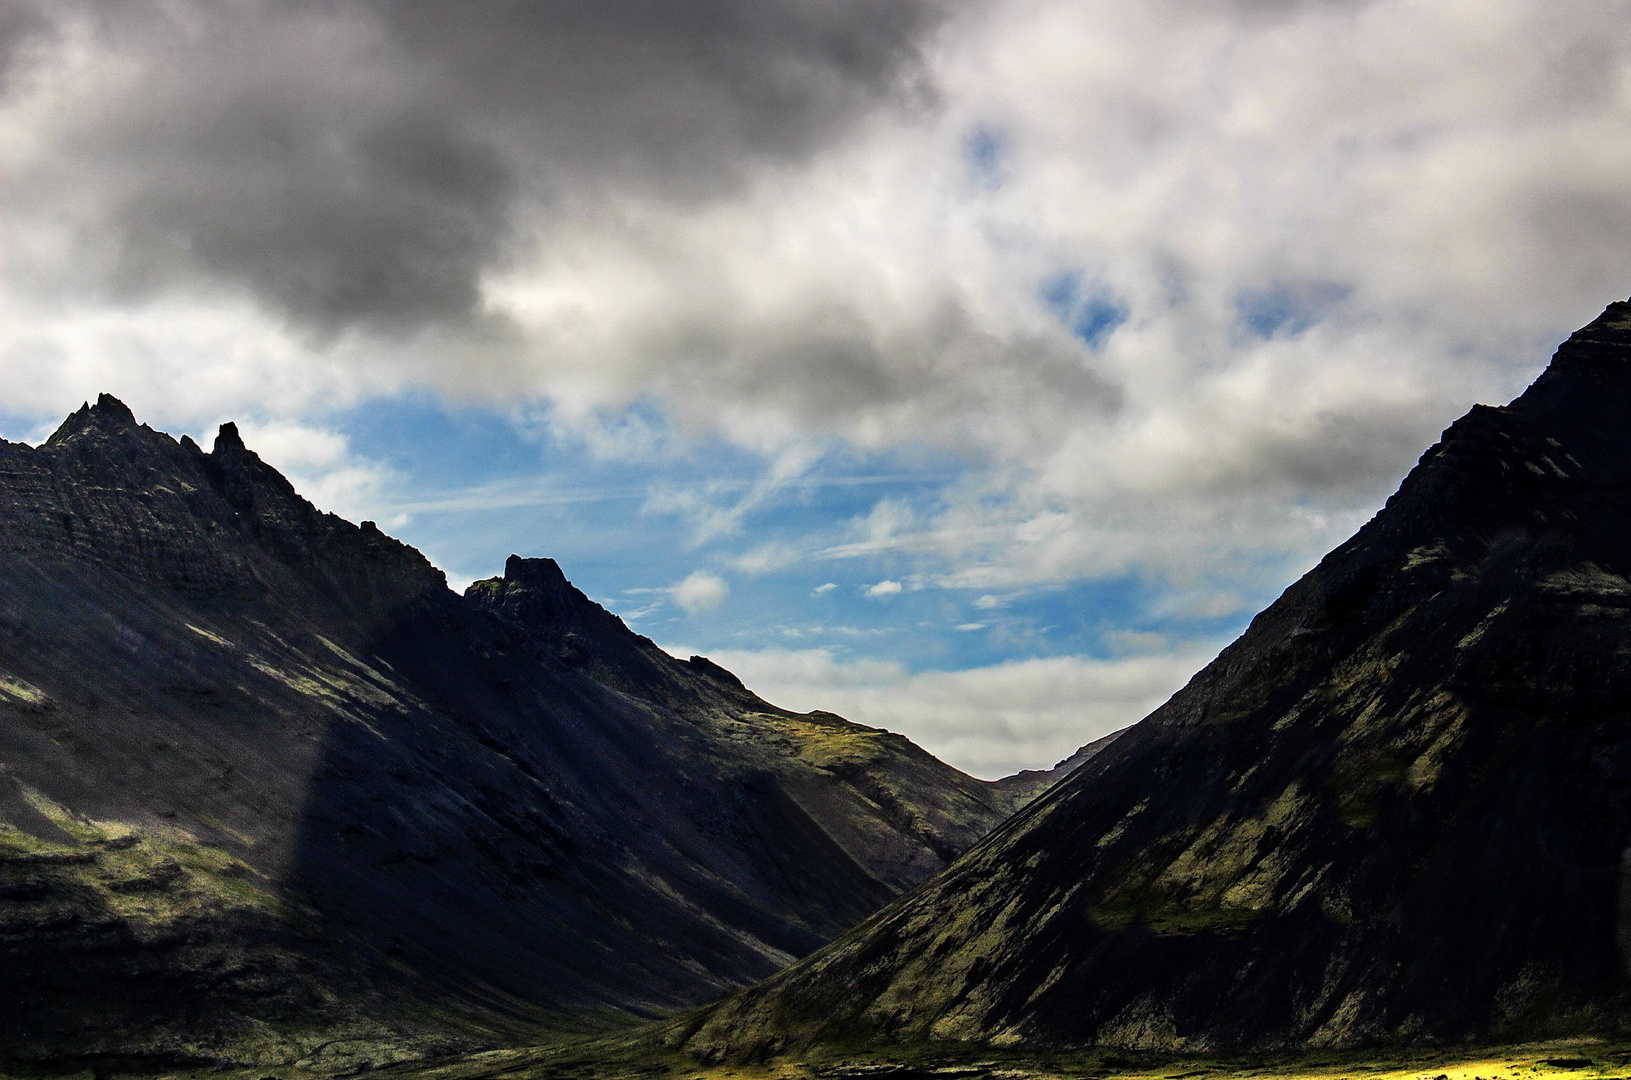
pixel 970 369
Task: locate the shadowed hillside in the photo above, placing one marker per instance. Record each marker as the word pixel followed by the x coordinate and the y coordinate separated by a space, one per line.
pixel 1397 808
pixel 269 789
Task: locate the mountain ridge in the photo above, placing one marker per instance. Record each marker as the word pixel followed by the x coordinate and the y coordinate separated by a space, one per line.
pixel 1395 809
pixel 268 788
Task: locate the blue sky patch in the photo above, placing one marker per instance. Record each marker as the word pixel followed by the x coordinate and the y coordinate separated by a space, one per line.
pixel 985 150
pixel 1286 309
pixel 474 489
pixel 1091 312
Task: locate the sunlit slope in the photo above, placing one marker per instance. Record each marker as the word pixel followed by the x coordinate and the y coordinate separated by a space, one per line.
pixel 615 1058
pixel 265 779
pixel 1396 808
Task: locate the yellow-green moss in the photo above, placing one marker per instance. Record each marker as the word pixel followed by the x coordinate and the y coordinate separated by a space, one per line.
pixel 142 873
pixel 1223 878
pixel 20 690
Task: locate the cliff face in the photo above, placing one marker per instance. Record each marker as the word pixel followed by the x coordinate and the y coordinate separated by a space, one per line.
pixel 268 788
pixel 1397 807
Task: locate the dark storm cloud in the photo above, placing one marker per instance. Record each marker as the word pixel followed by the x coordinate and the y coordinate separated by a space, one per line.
pixel 366 162
pixel 22 23
pixel 22 26
pixel 682 93
pixel 390 222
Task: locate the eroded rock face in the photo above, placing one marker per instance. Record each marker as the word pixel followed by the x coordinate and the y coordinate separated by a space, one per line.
pixel 268 786
pixel 1396 808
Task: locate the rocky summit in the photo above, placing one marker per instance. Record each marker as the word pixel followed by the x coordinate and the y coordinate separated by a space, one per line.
pixel 1396 809
pixel 271 792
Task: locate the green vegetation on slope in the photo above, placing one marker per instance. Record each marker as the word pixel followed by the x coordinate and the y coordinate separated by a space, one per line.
pixel 624 1058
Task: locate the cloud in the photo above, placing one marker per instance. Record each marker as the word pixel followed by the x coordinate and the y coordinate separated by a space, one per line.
pixel 719 508
pixel 21 27
pixel 767 558
pixel 826 588
pixel 1185 286
pixel 884 588
pixel 701 592
pixel 367 162
pixel 990 721
pixel 294 448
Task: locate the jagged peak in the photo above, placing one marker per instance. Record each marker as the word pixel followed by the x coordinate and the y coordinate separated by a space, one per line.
pixel 75 422
pixel 538 592
pixel 534 571
pixel 110 410
pixel 108 414
pixel 227 438
pixel 541 588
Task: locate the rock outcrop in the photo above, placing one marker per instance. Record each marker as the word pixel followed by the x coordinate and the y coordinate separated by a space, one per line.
pixel 268 788
pixel 1397 808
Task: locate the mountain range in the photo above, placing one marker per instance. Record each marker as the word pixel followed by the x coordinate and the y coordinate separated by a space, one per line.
pixel 271 791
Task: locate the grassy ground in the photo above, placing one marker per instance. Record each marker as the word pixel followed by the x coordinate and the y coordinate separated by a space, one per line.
pixel 622 1058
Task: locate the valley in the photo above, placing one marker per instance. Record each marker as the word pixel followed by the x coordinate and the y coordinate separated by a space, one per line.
pixel 263 774
pixel 275 799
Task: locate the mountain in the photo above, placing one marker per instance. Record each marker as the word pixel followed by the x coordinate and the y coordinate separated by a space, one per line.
pixel 269 789
pixel 1397 808
pixel 1027 784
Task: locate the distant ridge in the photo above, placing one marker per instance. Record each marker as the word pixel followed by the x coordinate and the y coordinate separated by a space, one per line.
pixel 1029 783
pixel 270 792
pixel 1397 809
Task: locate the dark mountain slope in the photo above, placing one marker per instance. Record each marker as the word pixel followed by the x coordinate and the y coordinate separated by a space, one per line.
pixel 1396 808
pixel 266 784
pixel 1022 787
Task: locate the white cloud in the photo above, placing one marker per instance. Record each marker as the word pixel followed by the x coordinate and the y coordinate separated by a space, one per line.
pixel 1135 642
pixel 175 362
pixel 884 588
pixel 826 588
pixel 718 509
pixel 700 592
pixel 767 558
pixel 1326 228
pixel 989 721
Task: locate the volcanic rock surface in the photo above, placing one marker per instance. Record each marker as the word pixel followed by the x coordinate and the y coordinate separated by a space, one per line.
pixel 268 788
pixel 1397 808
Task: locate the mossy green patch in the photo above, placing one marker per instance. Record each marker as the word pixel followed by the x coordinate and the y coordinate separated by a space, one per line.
pixel 639 1057
pixel 144 874
pixel 21 691
pixel 1225 876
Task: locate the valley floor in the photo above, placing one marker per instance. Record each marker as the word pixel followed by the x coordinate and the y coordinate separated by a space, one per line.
pixel 621 1058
